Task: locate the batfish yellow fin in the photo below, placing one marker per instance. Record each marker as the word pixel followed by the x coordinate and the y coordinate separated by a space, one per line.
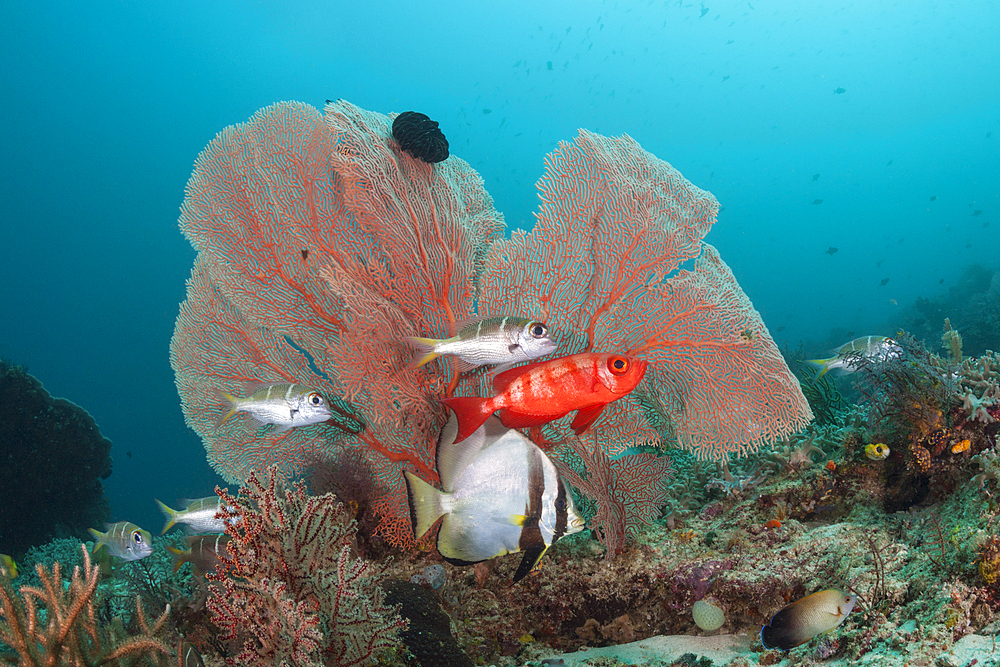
pixel 425 504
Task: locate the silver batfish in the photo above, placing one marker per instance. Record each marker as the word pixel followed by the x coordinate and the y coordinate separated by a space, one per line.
pixel 501 494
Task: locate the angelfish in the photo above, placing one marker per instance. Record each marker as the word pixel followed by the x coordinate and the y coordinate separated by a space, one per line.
pixel 501 494
pixel 284 405
pixel 494 340
pixel 878 348
pixel 125 540
pixel 804 619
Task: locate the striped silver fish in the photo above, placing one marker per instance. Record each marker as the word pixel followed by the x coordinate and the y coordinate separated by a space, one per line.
pixel 198 516
pixel 284 405
pixel 125 540
pixel 494 340
pixel 501 494
pixel 877 348
pixel 202 552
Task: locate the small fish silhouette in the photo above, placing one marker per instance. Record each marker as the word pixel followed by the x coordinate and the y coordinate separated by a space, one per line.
pixel 889 163
pixel 815 177
pixel 831 250
pixel 731 41
pixel 704 10
pixel 817 201
pixel 487 111
pixel 548 64
pixel 725 77
pixel 976 212
pixel 839 91
pixel 883 283
pixel 934 198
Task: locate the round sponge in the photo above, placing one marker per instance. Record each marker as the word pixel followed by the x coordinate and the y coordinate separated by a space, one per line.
pixel 708 615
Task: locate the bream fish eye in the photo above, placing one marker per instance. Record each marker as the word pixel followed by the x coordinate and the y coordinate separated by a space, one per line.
pixel 315 399
pixel 539 330
pixel 618 365
pixel 136 537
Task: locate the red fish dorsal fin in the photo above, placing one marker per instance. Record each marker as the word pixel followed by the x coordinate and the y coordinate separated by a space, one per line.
pixel 503 380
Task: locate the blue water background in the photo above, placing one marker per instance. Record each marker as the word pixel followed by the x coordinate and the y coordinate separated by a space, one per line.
pixel 107 104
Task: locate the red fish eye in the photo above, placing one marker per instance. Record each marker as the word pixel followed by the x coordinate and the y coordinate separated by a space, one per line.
pixel 538 330
pixel 618 365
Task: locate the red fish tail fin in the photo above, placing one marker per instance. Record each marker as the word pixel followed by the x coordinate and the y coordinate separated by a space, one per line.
pixel 472 412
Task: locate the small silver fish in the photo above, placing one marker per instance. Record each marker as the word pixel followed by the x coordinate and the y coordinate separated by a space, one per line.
pixel 284 405
pixel 501 494
pixel 877 348
pixel 125 540
pixel 804 619
pixel 198 516
pixel 494 340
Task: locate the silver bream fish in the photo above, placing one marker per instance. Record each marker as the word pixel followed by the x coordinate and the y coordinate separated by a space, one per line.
pixel 494 340
pixel 198 516
pixel 878 348
pixel 284 405
pixel 125 540
pixel 500 495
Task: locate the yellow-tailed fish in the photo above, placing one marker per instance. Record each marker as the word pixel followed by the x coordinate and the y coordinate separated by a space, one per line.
pixel 494 340
pixel 500 495
pixel 202 552
pixel 284 405
pixel 198 516
pixel 8 568
pixel 877 451
pixel 125 540
pixel 877 348
pixel 804 619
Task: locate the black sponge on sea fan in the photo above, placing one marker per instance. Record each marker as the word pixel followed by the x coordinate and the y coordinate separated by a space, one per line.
pixel 419 136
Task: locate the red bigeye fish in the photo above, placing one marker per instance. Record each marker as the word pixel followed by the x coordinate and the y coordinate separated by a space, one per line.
pixel 544 391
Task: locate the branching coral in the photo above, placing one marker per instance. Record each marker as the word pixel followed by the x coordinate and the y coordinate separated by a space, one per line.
pixel 796 453
pixel 65 629
pixel 290 589
pixel 910 391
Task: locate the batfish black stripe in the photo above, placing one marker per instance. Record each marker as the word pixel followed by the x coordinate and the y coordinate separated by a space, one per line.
pixel 531 534
pixel 562 511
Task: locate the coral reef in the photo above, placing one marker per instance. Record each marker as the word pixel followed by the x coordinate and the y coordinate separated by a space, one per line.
pixel 57 623
pixel 54 458
pixel 359 245
pixel 971 305
pixel 429 635
pixel 290 591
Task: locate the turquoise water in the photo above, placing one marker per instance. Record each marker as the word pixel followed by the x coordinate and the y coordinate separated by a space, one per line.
pixel 106 107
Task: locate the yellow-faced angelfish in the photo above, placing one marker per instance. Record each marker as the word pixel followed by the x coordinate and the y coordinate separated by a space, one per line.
pixel 877 451
pixel 198 516
pixel 8 568
pixel 500 495
pixel 125 540
pixel 876 348
pixel 495 340
pixel 284 405
pixel 804 619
